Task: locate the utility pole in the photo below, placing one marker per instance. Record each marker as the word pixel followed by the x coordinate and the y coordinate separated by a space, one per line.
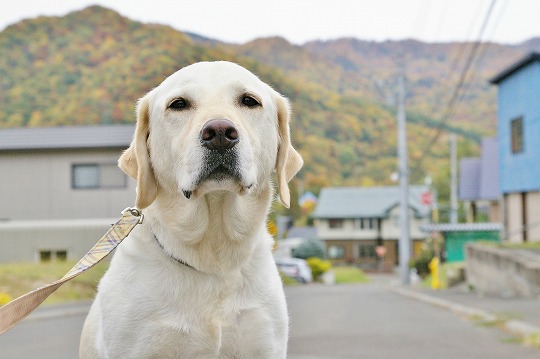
pixel 453 180
pixel 403 167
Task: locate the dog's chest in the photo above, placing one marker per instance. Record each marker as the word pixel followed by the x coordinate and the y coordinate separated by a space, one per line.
pixel 199 321
pixel 201 333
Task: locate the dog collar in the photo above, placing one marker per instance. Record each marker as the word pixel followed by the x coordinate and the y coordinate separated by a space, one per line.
pixel 171 256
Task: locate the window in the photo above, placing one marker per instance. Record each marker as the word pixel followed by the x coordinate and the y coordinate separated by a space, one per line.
pixel 47 255
pixel 61 256
pixel 367 250
pixel 335 252
pixel 335 223
pixel 516 130
pixel 368 223
pixel 88 176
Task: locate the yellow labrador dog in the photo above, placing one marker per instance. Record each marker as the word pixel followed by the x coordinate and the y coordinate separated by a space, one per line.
pixel 197 279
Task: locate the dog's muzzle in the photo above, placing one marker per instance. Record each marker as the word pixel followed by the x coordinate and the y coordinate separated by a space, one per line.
pixel 220 158
pixel 219 135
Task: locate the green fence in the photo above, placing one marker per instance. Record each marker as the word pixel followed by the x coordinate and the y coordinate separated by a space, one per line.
pixel 455 241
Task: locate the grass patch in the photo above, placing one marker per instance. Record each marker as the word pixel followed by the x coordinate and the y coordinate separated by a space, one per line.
pixel 527 245
pixel 532 340
pixel 349 275
pixel 17 279
pixel 512 340
pixel 447 275
pixel 288 281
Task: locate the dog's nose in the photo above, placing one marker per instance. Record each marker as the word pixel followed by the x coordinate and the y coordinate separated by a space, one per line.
pixel 219 134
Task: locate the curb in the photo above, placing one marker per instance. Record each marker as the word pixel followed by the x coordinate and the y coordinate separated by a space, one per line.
pixel 516 327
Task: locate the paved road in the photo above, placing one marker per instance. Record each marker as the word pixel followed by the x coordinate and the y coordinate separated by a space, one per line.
pixel 340 322
pixel 368 321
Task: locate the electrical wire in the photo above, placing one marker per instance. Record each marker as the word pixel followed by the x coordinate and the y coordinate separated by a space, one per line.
pixel 486 44
pixel 450 108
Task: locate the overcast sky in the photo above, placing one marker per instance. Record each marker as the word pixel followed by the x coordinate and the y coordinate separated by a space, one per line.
pixel 299 21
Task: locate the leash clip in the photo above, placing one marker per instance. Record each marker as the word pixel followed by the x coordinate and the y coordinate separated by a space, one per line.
pixel 135 213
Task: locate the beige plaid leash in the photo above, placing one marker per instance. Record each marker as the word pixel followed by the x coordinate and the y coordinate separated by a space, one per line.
pixel 18 309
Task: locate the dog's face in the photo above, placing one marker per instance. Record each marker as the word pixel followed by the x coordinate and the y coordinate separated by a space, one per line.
pixel 210 126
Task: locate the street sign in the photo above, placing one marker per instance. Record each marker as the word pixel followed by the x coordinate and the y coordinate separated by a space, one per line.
pixel 426 198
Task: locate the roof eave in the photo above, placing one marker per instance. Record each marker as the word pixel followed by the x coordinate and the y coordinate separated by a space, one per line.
pixel 533 56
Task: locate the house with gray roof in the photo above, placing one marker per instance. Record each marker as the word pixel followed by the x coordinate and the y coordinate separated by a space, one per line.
pixel 64 172
pixel 60 189
pixel 354 221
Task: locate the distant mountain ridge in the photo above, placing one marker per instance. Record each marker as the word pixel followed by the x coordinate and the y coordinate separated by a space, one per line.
pixel 360 68
pixel 90 67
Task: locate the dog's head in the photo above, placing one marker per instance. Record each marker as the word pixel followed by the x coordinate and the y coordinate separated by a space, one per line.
pixel 211 126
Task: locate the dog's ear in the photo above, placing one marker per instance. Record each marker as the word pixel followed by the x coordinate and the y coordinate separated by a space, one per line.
pixel 135 161
pixel 289 160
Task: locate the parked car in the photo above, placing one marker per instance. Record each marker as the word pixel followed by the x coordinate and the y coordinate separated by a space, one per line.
pixel 285 247
pixel 295 268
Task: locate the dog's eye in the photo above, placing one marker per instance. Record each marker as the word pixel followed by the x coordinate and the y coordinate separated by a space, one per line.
pixel 179 104
pixel 250 101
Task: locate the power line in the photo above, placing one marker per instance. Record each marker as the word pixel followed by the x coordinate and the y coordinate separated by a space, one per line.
pixel 486 44
pixel 461 50
pixel 482 52
pixel 449 110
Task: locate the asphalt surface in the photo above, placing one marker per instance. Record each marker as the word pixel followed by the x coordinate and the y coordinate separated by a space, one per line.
pixel 327 322
pixel 370 321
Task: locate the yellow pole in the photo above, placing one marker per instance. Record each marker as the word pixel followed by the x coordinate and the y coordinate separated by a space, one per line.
pixel 434 269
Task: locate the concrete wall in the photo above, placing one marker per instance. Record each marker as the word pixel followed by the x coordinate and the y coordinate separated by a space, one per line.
pixel 503 272
pixel 533 216
pixel 513 207
pixel 22 241
pixel 38 185
pixel 513 217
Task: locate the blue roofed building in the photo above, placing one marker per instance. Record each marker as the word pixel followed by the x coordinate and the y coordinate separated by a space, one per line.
pixel 519 147
pixel 353 221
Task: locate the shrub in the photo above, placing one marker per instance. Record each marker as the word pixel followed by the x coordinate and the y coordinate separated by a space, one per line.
pixel 4 298
pixel 318 266
pixel 421 263
pixel 309 248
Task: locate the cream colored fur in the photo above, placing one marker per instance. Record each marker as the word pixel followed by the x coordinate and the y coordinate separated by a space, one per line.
pixel 232 306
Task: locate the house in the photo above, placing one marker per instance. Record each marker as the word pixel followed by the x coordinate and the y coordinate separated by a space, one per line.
pixel 302 232
pixel 519 147
pixel 353 221
pixel 479 182
pixel 64 172
pixel 60 190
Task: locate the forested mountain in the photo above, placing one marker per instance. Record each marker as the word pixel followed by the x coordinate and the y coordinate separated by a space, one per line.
pixel 368 70
pixel 90 67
